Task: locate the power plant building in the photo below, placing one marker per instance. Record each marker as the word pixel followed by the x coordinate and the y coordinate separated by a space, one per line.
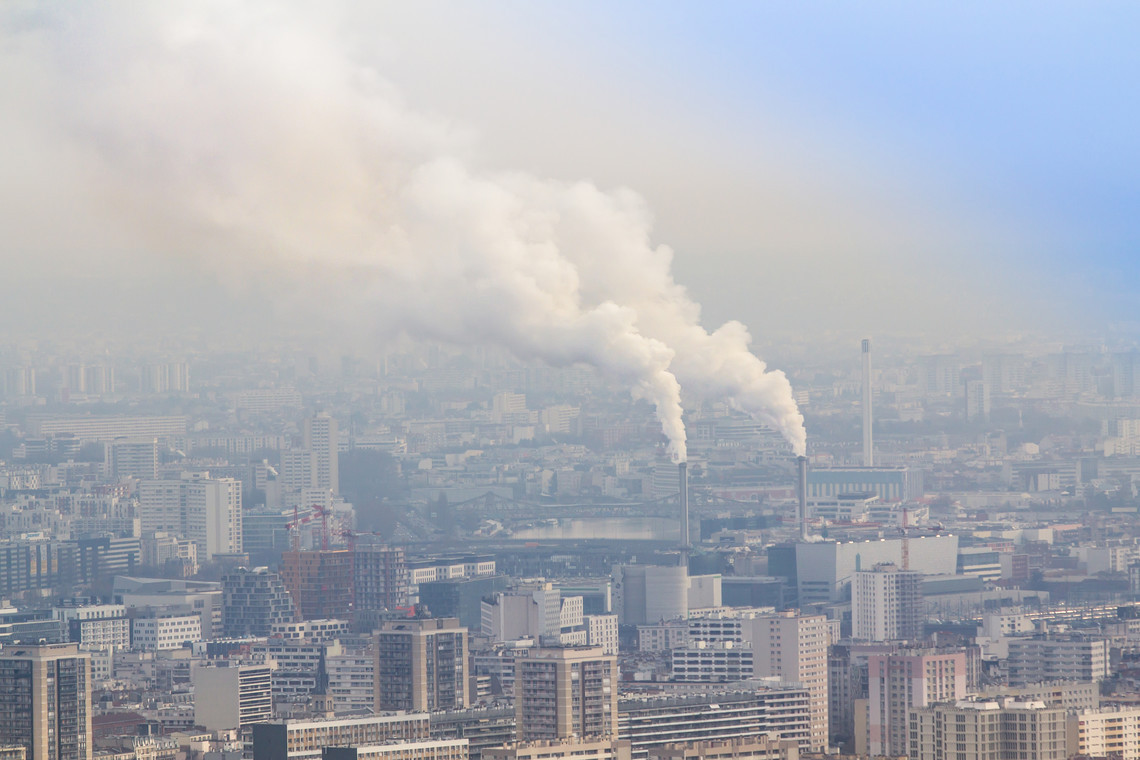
pixel 888 483
pixel 651 593
pixel 825 569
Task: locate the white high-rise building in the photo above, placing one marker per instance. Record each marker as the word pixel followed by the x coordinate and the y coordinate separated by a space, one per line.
pixel 509 408
pixel 205 510
pixel 132 458
pixel 977 400
pixel 298 470
pixel 886 604
pixel 793 647
pixel 321 439
pixel 160 506
pixel 213 515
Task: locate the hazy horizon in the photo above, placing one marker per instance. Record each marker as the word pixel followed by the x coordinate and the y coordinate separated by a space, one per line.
pixel 931 174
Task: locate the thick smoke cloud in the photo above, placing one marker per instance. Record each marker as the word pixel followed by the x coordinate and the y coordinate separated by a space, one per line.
pixel 249 142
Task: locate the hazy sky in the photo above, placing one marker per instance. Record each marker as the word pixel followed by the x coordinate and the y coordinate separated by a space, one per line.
pixel 855 168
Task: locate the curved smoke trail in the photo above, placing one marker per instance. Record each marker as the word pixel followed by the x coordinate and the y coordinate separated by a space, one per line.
pixel 249 142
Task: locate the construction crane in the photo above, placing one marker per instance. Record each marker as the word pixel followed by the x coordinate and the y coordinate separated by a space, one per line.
pixel 295 527
pixel 905 531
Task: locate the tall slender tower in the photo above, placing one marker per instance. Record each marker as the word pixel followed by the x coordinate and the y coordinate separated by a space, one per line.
pixel 683 482
pixel 801 496
pixel 868 450
pixel 321 439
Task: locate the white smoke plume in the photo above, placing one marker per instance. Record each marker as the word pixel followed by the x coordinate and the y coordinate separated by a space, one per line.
pixel 251 142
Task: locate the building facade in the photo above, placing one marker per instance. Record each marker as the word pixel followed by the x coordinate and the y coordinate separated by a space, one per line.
pixel 253 601
pixel 320 582
pixel 566 692
pixel 886 605
pixel 45 701
pixel 421 664
pixel 999 730
pixel 793 647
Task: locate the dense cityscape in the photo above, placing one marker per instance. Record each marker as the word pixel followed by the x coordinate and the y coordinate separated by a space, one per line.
pixel 446 553
pixel 594 380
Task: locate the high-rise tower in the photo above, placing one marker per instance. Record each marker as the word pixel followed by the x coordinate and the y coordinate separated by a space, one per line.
pixel 566 693
pixel 868 450
pixel 45 701
pixel 321 439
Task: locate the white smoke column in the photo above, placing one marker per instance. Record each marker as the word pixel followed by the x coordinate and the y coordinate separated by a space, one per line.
pixel 248 142
pixel 242 139
pixel 616 260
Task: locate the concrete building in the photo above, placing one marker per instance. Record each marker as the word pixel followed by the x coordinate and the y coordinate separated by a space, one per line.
pixel 793 647
pixel 662 636
pixel 1105 732
pixel 711 662
pixel 131 458
pixel 432 749
pixel 105 428
pixel 351 681
pixel 161 631
pixel 888 483
pixel 461 597
pixel 232 697
pixel 650 593
pixel 998 730
pixel 898 682
pixel 977 400
pixel 824 570
pixel 304 739
pixel 564 749
pixel 886 604
pixel 311 630
pixel 1060 658
pixel 321 439
pixel 200 508
pixel 253 601
pixel 421 664
pixel 97 626
pixel 760 748
pixel 1071 695
pixel 381 577
pixel 300 668
pixel 564 693
pixel 45 701
pixel 749 711
pixel 537 611
pixel 202 597
pixel 602 631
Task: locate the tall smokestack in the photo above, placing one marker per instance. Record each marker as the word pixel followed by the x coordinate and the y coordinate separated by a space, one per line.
pixel 683 482
pixel 868 451
pixel 801 467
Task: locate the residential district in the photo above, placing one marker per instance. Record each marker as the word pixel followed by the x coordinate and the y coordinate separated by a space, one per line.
pixel 441 554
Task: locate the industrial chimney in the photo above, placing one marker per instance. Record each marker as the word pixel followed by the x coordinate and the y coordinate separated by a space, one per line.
pixel 683 482
pixel 868 455
pixel 801 468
